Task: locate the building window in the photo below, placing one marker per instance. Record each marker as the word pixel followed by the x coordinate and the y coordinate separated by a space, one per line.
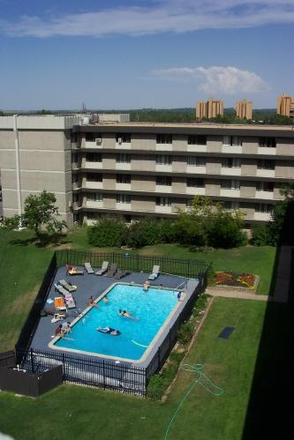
pixel 263 207
pixel 92 216
pixel 164 139
pixel 94 177
pixel 264 164
pixel 268 142
pixel 90 137
pixel 75 178
pixel 95 197
pixel 229 162
pixel 123 178
pixel 265 186
pixel 163 201
pixel 123 158
pixel 123 198
pixel 74 157
pixel 230 184
pixel 123 138
pixel 196 140
pixel 196 161
pixel 93 157
pixel 233 141
pixel 75 197
pixel 230 205
pixel 163 159
pixel 195 183
pixel 163 180
pixel 73 137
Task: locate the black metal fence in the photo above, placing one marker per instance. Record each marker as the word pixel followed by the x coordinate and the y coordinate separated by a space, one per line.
pixel 84 370
pixel 103 373
pixel 30 326
pixel 134 263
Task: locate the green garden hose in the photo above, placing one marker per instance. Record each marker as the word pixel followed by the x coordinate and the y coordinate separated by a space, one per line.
pixel 202 378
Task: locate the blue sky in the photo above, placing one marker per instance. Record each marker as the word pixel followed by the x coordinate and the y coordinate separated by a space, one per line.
pixel 120 54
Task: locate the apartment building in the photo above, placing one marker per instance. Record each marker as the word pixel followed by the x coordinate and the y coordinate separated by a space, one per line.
pixel 244 109
pixel 210 109
pixel 285 105
pixel 144 169
pixel 35 154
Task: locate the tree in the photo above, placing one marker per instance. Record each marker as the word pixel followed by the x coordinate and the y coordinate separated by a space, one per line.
pixel 278 229
pixel 279 213
pixel 208 224
pixel 107 232
pixel 39 212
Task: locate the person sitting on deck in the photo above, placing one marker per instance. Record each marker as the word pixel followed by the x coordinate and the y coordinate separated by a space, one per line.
pixel 58 331
pixel 91 302
pixel 66 328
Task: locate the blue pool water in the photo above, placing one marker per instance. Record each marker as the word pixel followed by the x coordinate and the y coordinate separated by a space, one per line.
pixel 151 308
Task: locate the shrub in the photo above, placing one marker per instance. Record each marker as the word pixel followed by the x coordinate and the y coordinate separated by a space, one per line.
pixel 148 232
pixel 225 232
pixel 262 236
pixel 160 382
pixel 185 333
pixel 143 233
pixel 107 232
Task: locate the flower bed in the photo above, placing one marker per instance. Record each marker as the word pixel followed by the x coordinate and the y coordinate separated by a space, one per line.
pixel 234 279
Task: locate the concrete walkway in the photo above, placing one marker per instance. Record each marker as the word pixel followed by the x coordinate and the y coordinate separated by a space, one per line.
pixel 282 284
pixel 235 293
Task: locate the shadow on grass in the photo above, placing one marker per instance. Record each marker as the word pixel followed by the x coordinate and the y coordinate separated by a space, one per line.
pixel 42 241
pixel 269 415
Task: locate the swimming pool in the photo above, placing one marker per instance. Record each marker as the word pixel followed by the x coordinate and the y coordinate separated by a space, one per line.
pixel 152 311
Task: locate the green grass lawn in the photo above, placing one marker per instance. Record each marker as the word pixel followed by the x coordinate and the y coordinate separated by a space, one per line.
pixel 23 263
pixel 255 260
pixel 77 412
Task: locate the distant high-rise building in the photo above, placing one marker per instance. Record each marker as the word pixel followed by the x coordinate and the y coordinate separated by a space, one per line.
pixel 285 105
pixel 244 109
pixel 201 110
pixel 209 109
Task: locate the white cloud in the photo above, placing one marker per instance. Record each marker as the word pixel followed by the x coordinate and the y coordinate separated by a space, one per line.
pixel 226 80
pixel 160 16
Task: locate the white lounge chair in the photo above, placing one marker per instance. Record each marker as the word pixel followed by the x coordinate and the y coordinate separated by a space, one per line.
pixel 89 268
pixel 60 289
pixel 154 274
pixel 70 303
pixel 103 269
pixel 58 317
pixel 69 287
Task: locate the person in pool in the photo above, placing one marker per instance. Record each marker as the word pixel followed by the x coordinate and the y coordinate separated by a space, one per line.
pixel 127 314
pixel 124 313
pixel 109 330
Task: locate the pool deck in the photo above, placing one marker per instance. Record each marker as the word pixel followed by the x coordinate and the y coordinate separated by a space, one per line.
pixel 90 285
